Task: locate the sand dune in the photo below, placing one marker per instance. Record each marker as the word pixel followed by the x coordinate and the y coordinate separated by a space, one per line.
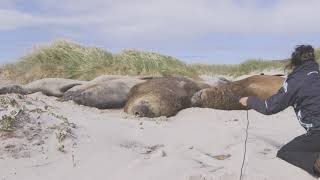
pixel 196 144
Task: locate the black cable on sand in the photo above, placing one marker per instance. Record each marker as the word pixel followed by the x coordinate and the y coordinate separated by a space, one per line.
pixel 245 146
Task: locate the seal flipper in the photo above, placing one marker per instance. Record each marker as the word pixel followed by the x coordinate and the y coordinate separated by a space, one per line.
pixel 69 86
pixel 13 89
pixel 59 92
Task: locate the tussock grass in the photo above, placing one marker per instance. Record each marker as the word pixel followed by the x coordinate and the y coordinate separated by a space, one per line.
pixel 147 63
pixel 58 59
pixel 318 55
pixel 67 59
pixel 238 69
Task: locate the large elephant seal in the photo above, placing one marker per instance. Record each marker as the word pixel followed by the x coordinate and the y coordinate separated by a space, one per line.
pixel 104 92
pixel 262 86
pixel 48 86
pixel 162 96
pixel 76 90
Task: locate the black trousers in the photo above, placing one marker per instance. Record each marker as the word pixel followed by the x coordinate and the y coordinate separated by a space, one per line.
pixel 302 151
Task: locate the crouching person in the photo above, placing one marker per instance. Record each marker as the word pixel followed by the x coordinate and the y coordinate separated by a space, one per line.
pixel 301 90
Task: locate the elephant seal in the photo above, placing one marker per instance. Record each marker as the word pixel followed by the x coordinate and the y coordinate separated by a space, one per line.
pixel 162 96
pixel 74 91
pixel 262 86
pixel 104 92
pixel 48 86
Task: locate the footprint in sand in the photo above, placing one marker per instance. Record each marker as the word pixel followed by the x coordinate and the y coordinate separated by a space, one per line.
pixel 267 153
pixel 225 176
pixel 217 157
pixel 206 162
pixel 147 151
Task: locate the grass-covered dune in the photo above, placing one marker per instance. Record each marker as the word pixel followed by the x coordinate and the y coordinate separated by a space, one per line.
pixel 246 67
pixel 70 60
pixel 235 70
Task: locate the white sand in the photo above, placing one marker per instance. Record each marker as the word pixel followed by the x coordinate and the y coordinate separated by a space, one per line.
pixel 110 146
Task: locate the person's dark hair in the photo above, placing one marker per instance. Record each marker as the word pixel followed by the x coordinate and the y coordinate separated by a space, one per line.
pixel 301 54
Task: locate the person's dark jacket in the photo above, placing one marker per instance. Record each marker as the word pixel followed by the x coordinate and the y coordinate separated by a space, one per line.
pixel 301 90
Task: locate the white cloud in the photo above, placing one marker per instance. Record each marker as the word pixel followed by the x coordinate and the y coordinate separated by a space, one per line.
pixel 167 18
pixel 12 19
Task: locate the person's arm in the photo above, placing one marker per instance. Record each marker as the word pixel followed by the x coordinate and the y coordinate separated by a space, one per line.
pixel 277 102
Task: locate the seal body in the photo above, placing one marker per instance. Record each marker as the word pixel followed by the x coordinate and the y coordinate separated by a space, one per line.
pixel 48 86
pixel 162 96
pixel 104 92
pixel 262 86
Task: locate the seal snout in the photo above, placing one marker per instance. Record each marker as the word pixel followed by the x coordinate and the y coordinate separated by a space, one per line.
pixel 142 110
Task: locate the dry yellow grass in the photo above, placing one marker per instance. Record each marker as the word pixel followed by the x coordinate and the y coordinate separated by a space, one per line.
pixel 67 59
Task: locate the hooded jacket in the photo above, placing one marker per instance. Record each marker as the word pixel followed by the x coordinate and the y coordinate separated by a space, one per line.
pixel 301 90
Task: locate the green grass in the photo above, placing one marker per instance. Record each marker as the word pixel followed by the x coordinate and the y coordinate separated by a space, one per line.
pixel 147 63
pixel 238 69
pixel 58 59
pixel 67 59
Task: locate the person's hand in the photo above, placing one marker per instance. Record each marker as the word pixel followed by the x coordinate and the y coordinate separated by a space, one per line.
pixel 243 101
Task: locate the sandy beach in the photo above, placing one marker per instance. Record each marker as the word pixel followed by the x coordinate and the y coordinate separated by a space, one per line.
pixel 196 144
pixel 159 90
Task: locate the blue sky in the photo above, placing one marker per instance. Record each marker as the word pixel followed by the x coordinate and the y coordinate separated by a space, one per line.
pixel 195 31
